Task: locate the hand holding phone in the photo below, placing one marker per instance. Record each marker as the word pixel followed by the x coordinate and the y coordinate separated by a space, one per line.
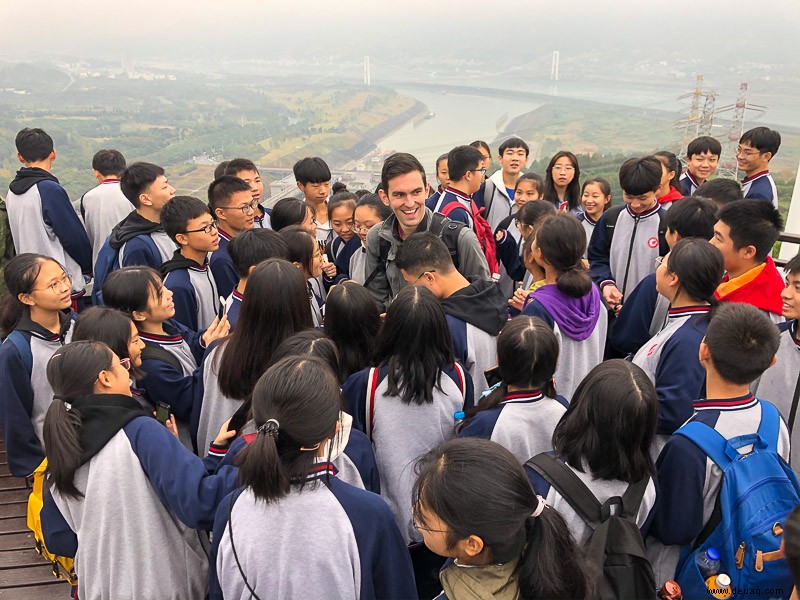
pixel 162 412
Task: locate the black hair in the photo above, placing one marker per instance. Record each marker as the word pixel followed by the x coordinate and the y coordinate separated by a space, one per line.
pixel 311 169
pixel 399 164
pixel 532 212
pixel 462 159
pixel 440 159
pixel 110 326
pixel 237 165
pixel 300 246
pixel 177 213
pixel 254 246
pixel 310 342
pixel 415 344
pixel 219 170
pixel 513 142
pixel 344 198
pixel 671 162
pixel 20 275
pixel 109 162
pixel 128 289
pixel 274 307
pixel 605 188
pixel 482 144
pixel 352 321
pixel 699 267
pixel 374 201
pixel 33 144
pixel 704 143
pixel 762 139
pixel 424 251
pixel 137 178
pixel 692 217
pixel 477 487
pixel 72 372
pixel 562 240
pixel 538 181
pixel 288 211
pixel 793 266
pixel 338 186
pixel 361 193
pixel 638 176
pixel 300 399
pixel 222 190
pixel 752 223
pixel 610 423
pixel 527 354
pixel 742 342
pixel 720 191
pixel 573 192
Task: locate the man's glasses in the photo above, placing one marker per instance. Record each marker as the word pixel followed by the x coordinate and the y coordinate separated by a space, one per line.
pixel 245 208
pixel 208 229
pixel 59 285
pixel 746 151
pixel 482 170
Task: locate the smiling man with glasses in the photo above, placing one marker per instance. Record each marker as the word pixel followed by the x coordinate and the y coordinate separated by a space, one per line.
pixel 756 148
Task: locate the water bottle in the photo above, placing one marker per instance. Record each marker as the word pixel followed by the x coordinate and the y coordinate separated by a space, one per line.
pixel 458 417
pixel 708 562
pixel 719 586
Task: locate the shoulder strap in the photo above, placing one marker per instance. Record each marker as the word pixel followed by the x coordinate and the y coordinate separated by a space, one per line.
pixel 462 383
pixel 611 218
pixel 158 353
pixel 372 386
pixel 633 496
pixel 449 207
pixel 795 399
pixel 710 441
pixel 488 188
pixel 24 348
pixel 770 426
pixel 569 485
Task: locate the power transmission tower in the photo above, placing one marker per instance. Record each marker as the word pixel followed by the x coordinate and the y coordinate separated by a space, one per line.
pixel 728 167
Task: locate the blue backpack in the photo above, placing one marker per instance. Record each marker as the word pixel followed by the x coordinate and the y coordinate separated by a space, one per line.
pixel 107 262
pixel 757 493
pixel 23 345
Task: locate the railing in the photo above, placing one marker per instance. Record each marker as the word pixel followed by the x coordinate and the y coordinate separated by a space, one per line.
pixel 792 238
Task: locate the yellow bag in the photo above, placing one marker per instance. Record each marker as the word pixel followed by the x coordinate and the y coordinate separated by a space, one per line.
pixel 62 566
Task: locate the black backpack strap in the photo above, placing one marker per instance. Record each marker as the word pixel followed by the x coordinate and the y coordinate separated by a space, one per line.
pixel 448 231
pixel 633 496
pixel 569 485
pixel 158 353
pixel 795 399
pixel 489 188
pixel 611 217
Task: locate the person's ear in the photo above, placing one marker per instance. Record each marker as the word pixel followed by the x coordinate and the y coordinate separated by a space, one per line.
pixel 219 214
pixel 768 156
pixel 144 200
pixel 538 256
pixel 748 252
pixel 26 299
pixel 138 315
pixel 301 187
pixel 52 156
pixel 20 158
pixel 182 239
pixel 250 270
pixel 471 546
pixel 385 199
pixel 703 353
pixel 103 379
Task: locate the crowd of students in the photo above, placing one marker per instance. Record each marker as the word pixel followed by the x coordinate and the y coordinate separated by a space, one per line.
pixel 381 389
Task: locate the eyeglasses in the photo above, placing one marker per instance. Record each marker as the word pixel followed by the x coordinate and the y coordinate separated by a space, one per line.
pixel 362 228
pixel 746 151
pixel 659 261
pixel 422 275
pixel 482 170
pixel 567 169
pixel 245 208
pixel 58 285
pixel 208 229
pixel 125 363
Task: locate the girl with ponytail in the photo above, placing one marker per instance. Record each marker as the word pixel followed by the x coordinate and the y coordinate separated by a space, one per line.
pixel 687 277
pixel 295 530
pixel 474 505
pixel 35 320
pixel 122 485
pixel 568 302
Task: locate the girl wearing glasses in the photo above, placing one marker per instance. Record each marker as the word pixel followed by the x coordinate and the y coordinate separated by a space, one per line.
pixel 562 182
pixel 36 318
pixel 111 462
pixel 351 263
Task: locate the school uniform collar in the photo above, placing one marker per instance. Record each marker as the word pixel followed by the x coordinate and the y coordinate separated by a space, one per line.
pixel 237 297
pixel 109 180
pixel 166 339
pixel 691 178
pixel 586 217
pixel 688 311
pixel 458 193
pixel 740 403
pixel 522 397
pixel 756 176
pixel 321 469
pixel 224 235
pixel 36 330
pixel 645 214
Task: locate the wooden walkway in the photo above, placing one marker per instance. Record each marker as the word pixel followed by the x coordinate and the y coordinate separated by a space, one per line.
pixel 24 574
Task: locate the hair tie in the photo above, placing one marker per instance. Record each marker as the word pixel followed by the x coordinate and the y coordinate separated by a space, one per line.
pixel 270 428
pixel 67 405
pixel 313 448
pixel 539 507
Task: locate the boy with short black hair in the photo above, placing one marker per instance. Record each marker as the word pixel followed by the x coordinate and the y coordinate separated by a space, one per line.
pixel 628 238
pixel 702 158
pixel 720 191
pixel 233 205
pixel 247 250
pixel 497 196
pixel 756 148
pixel 465 177
pixel 188 221
pixel 781 384
pixel 442 177
pixel 40 215
pixel 246 170
pixel 740 344
pixel 314 180
pixel 745 233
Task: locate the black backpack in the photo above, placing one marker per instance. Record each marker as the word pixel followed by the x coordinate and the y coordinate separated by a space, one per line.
pixel 615 548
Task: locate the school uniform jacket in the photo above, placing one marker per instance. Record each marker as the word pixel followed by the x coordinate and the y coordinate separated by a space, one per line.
pixel 670 361
pixel 603 489
pixel 326 540
pixel 211 407
pixel 634 248
pixel 140 242
pixel 352 262
pixel 42 220
pixel 340 253
pixel 222 266
pixel 134 532
pixel 102 208
pixel 588 226
pixel 194 291
pixel 688 184
pixel 26 397
pixel 580 326
pixel 508 242
pixel 523 423
pixel 401 433
pixel 642 316
pixel 761 287
pixel 780 384
pixel 689 481
pixel 462 203
pixel 494 196
pixel 760 186
pixel 475 316
pixel 668 199
pixel 233 305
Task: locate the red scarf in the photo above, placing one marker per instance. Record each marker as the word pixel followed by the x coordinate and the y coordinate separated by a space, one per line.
pixel 670 196
pixel 761 287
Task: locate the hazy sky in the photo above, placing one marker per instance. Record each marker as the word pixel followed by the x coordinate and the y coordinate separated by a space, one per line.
pixel 511 31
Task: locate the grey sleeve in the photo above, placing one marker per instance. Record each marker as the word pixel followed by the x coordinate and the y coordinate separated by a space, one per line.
pixel 377 283
pixel 471 261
